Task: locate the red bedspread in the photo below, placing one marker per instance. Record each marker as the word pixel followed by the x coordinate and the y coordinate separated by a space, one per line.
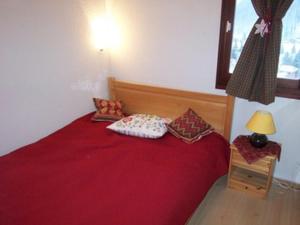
pixel 85 174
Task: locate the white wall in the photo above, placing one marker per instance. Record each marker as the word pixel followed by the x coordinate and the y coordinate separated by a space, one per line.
pixel 175 44
pixel 46 64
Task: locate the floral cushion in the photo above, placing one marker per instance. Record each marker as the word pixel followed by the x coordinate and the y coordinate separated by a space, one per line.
pixel 107 110
pixel 189 127
pixel 140 125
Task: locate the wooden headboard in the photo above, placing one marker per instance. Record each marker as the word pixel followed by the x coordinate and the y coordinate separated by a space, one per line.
pixel 165 102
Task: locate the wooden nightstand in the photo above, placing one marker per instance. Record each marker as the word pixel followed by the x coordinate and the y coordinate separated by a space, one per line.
pixel 255 178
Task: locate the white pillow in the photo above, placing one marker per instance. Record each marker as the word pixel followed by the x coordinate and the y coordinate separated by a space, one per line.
pixel 140 125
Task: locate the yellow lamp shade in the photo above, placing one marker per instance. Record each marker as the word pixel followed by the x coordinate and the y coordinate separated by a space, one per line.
pixel 261 122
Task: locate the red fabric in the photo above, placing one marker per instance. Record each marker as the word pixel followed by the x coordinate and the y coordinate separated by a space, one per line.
pixel 85 174
pixel 252 154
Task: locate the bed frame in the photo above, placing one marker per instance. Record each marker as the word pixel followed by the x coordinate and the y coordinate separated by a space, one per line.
pixel 137 98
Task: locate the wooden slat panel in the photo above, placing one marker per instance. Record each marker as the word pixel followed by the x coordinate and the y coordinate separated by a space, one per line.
pixel 215 109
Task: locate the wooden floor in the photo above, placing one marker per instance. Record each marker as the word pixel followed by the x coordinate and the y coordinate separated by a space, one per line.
pixel 223 206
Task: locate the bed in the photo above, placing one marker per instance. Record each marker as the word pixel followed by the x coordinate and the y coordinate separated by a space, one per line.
pixel 85 174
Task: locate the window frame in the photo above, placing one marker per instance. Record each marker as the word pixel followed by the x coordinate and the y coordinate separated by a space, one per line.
pixel 285 87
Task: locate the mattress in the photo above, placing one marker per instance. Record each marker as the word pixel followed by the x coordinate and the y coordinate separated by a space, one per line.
pixel 85 174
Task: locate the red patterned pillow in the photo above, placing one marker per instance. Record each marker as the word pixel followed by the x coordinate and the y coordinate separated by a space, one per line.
pixel 107 110
pixel 189 127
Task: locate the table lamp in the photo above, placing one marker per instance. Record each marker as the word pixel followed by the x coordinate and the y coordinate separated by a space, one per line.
pixel 261 123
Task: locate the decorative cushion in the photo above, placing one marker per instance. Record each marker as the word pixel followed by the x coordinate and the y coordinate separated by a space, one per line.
pixel 107 110
pixel 189 127
pixel 140 125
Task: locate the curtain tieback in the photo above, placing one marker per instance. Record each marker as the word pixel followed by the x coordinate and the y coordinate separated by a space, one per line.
pixel 264 27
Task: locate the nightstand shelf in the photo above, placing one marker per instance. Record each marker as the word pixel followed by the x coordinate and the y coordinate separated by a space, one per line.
pixel 255 178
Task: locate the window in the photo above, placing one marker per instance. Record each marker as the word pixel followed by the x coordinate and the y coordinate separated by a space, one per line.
pixel 238 18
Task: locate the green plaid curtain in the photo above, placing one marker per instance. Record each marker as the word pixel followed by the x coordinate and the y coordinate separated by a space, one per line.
pixel 254 77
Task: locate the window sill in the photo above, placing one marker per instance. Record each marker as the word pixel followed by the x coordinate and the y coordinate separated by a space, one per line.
pixel 288 92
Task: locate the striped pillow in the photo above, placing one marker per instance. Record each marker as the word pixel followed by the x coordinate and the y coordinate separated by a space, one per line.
pixel 189 127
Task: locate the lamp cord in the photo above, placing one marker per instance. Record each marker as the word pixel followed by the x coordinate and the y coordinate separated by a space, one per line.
pixel 286 184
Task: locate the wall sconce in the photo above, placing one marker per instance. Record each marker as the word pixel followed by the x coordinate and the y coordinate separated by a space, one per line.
pixel 105 33
pixel 99 29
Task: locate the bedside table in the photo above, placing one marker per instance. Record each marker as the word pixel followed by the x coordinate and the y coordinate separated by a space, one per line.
pixel 254 178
